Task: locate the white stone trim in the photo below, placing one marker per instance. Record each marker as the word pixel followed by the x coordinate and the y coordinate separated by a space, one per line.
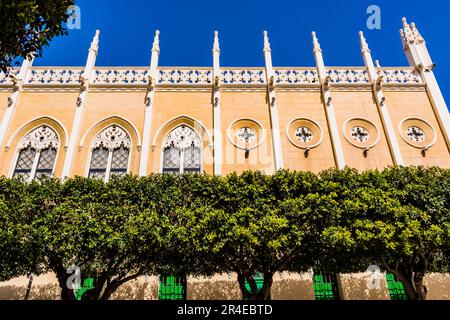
pixel 11 139
pixel 180 117
pixel 108 166
pixel 400 126
pixel 377 140
pixel 230 138
pixel 328 105
pixel 91 128
pixel 37 156
pixel 161 158
pixel 305 147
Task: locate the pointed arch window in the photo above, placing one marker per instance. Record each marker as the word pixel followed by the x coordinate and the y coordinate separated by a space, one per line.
pixel 182 151
pixel 110 154
pixel 37 154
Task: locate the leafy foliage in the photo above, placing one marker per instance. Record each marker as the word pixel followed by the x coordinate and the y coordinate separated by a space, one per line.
pixel 335 221
pixel 27 26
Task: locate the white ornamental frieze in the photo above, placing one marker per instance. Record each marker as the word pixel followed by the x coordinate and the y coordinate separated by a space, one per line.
pixel 40 139
pixel 112 138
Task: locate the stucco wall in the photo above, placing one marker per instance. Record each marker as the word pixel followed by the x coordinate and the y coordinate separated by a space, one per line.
pixel 286 286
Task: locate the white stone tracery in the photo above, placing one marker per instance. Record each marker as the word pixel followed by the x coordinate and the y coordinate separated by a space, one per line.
pixel 182 151
pixel 110 153
pixel 40 139
pixel 37 154
pixel 112 138
pixel 182 138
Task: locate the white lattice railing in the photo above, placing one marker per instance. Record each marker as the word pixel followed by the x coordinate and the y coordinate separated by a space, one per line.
pixel 120 76
pixel 54 76
pixel 400 76
pixel 6 80
pixel 168 76
pixel 185 76
pixel 348 75
pixel 295 76
pixel 238 76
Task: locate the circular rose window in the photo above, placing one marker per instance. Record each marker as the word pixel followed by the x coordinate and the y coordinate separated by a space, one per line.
pixel 360 134
pixel 304 134
pixel 416 134
pixel 247 135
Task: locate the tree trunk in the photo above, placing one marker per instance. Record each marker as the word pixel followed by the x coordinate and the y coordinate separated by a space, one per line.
pixel 66 293
pixel 30 283
pixel 263 295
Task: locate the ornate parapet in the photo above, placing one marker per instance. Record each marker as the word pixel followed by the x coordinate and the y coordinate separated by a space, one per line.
pixel 46 76
pixel 342 75
pixel 8 80
pixel 296 76
pixel 400 76
pixel 116 77
pixel 243 76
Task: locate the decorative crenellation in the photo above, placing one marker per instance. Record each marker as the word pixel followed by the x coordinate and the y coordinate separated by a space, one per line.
pixel 348 75
pixel 400 76
pixel 133 76
pixel 296 76
pixel 54 76
pixel 244 76
pixel 184 76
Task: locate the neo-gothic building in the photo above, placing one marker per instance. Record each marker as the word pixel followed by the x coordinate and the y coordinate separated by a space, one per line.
pixel 103 121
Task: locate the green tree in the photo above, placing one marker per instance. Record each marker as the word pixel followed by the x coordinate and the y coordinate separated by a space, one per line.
pixel 265 224
pixel 27 26
pixel 18 255
pixel 399 219
pixel 101 228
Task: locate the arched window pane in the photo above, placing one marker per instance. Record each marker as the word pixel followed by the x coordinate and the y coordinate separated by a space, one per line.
pixel 182 153
pixel 99 161
pixel 111 153
pixel 25 163
pixel 192 160
pixel 46 163
pixel 119 165
pixel 171 161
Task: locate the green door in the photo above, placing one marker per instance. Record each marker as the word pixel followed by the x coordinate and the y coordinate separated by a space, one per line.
pixel 396 288
pixel 172 288
pixel 326 287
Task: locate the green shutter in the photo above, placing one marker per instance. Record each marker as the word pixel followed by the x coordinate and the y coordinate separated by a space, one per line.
pixel 325 286
pixel 172 288
pixel 87 285
pixel 396 288
pixel 259 279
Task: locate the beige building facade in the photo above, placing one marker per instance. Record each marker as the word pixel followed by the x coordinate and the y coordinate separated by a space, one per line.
pixel 99 121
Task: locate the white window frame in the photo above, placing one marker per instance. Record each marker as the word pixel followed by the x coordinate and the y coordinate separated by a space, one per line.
pixel 182 150
pixel 110 153
pixel 37 156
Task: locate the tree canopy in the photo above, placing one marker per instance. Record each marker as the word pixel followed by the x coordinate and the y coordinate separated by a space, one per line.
pixel 27 26
pixel 336 221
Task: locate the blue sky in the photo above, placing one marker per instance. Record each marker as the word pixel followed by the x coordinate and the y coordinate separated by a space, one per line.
pixel 187 32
